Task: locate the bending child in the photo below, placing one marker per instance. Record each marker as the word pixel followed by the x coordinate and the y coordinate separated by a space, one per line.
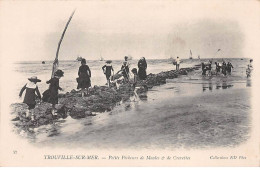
pixel 54 87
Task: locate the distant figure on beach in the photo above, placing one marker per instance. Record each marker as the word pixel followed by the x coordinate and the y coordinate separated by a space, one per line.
pixel 142 66
pixel 249 68
pixel 125 71
pixel 54 87
pixel 229 68
pixel 209 67
pixel 178 61
pixel 224 68
pixel 206 67
pixel 107 69
pixel 126 58
pixel 248 71
pixel 203 67
pixel 84 74
pixel 30 95
pixel 218 67
pixel 251 64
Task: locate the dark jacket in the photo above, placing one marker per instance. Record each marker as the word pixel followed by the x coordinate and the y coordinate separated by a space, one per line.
pixel 108 68
pixel 54 87
pixel 84 77
pixel 84 72
pixel 142 65
pixel 30 95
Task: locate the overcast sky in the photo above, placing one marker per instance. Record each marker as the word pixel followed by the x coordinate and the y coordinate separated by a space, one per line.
pixel 113 29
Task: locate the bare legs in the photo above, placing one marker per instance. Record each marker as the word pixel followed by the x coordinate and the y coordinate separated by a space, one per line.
pixel 30 114
pixel 83 91
pixel 108 82
pixel 177 66
pixel 53 110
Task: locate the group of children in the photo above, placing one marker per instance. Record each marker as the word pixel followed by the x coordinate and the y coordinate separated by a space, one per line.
pixel 84 82
pixel 30 95
pixel 221 68
pixel 125 70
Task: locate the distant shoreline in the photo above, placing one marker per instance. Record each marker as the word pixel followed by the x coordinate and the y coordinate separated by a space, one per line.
pixel 164 59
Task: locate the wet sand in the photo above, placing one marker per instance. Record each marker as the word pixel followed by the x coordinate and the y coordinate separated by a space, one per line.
pixel 189 111
pixel 218 118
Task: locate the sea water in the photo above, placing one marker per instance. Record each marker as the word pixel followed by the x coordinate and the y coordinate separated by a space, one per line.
pixel 24 70
pixel 86 131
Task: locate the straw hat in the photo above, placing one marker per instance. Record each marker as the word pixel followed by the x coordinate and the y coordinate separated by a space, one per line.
pixel 34 79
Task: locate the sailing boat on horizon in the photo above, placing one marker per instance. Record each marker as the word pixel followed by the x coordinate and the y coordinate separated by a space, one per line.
pixel 190 55
pixel 101 58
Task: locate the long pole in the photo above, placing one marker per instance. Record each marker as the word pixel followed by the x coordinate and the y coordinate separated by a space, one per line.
pixel 56 61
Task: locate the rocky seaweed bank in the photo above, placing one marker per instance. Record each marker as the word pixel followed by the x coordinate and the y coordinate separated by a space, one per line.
pixel 100 99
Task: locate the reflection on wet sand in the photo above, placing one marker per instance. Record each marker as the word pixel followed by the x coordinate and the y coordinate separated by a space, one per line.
pixel 207 86
pixel 219 85
pixel 248 83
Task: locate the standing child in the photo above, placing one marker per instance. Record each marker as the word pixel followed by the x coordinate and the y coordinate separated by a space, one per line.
pixel 224 68
pixel 229 68
pixel 204 69
pixel 125 71
pixel 128 64
pixel 178 61
pixel 54 87
pixel 134 71
pixel 30 96
pixel 217 67
pixel 107 68
pixel 84 81
pixel 209 67
pixel 248 71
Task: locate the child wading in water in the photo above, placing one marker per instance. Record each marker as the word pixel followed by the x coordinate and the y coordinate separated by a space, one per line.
pixel 107 71
pixel 54 87
pixel 30 95
pixel 134 71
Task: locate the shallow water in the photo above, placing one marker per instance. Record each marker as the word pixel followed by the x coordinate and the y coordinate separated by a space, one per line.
pixel 143 122
pixel 24 70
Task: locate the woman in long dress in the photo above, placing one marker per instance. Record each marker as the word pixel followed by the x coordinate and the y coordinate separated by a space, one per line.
pixel 142 65
pixel 84 77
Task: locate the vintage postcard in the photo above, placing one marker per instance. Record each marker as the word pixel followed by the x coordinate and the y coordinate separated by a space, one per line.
pixel 130 83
